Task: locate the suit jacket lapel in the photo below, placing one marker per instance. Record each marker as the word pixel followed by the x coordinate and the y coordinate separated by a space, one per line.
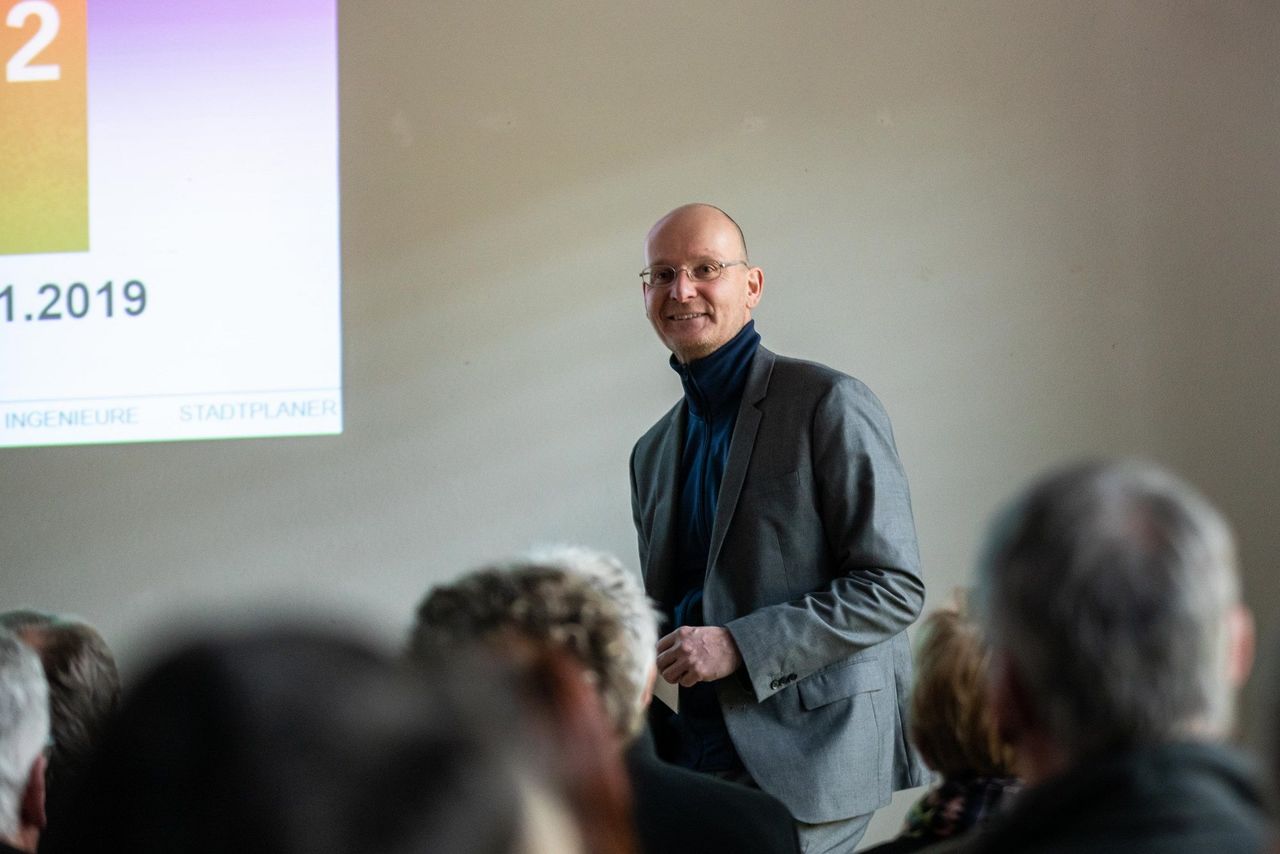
pixel 740 447
pixel 661 557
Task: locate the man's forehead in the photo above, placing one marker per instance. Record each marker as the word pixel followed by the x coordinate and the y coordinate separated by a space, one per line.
pixel 695 230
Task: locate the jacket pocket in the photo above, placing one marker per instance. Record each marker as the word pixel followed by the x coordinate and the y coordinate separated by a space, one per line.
pixel 827 686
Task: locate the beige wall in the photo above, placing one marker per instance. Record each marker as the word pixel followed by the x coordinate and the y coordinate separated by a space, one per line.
pixel 1036 229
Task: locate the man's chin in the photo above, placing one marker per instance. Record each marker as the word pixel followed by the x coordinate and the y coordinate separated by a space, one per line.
pixel 687 354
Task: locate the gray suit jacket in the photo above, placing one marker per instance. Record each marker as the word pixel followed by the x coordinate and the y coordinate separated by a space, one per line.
pixel 813 568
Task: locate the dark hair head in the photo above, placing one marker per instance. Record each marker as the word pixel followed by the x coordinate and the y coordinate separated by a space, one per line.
pixel 297 741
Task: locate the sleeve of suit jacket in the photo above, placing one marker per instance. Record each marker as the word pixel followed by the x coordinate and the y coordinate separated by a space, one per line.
pixel 874 589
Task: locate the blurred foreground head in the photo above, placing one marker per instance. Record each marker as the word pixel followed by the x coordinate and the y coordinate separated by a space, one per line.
pixel 84 689
pixel 295 741
pixel 24 732
pixel 575 598
pixel 952 724
pixel 1111 601
pixel 577 636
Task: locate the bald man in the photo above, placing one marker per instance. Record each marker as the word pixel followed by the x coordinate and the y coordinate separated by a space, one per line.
pixel 775 530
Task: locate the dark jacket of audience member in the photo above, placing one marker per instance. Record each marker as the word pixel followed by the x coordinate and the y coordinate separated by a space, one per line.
pixel 1182 798
pixel 293 741
pixel 954 730
pixel 1112 606
pixel 678 810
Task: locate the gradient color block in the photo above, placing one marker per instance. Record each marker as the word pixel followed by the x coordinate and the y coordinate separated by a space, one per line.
pixel 44 148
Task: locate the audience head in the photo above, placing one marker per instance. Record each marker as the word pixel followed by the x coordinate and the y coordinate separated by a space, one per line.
pixel 568 737
pixel 24 733
pixel 1111 602
pixel 581 600
pixel 297 741
pixel 84 686
pixel 951 720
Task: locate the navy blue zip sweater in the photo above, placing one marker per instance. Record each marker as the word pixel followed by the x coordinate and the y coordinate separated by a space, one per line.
pixel 712 393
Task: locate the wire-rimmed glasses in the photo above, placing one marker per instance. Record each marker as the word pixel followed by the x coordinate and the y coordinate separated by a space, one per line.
pixel 664 275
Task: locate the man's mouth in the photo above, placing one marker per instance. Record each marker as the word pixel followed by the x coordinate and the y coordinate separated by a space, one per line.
pixel 686 315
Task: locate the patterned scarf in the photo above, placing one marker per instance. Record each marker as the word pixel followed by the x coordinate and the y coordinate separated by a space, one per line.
pixel 954 806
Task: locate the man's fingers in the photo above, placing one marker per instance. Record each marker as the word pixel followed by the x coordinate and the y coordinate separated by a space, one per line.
pixel 682 673
pixel 668 641
pixel 682 657
pixel 666 659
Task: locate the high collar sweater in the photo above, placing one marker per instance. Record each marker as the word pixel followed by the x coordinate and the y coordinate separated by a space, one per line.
pixel 712 393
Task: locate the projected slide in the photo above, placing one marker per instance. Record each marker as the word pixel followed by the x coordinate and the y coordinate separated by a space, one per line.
pixel 169 262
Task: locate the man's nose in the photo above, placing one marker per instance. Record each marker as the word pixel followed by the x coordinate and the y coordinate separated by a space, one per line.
pixel 683 288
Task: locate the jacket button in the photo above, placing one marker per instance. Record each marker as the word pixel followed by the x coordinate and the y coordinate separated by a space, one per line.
pixel 773 685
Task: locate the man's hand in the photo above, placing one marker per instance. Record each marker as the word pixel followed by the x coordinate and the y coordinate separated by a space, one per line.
pixel 693 654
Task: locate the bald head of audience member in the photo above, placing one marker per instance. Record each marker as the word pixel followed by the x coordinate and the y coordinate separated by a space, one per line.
pixel 84 689
pixel 1111 601
pixel 24 735
pixel 291 740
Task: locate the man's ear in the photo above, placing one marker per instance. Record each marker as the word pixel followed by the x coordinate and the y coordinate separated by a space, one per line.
pixel 755 286
pixel 1241 644
pixel 31 811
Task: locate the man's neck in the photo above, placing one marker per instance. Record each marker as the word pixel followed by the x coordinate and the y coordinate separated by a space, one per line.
pixel 718 378
pixel 702 357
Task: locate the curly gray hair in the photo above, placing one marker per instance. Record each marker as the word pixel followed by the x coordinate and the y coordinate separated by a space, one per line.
pixel 581 599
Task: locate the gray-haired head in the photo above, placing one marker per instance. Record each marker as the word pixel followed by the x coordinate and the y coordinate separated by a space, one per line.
pixel 24 725
pixel 84 687
pixel 1108 587
pixel 582 599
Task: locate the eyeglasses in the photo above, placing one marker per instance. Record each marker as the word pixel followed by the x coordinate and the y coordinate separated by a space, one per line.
pixel 664 275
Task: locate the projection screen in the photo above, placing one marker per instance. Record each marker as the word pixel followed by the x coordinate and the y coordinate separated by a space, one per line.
pixel 169 259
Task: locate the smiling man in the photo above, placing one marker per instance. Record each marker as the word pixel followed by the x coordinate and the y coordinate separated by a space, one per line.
pixel 775 530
